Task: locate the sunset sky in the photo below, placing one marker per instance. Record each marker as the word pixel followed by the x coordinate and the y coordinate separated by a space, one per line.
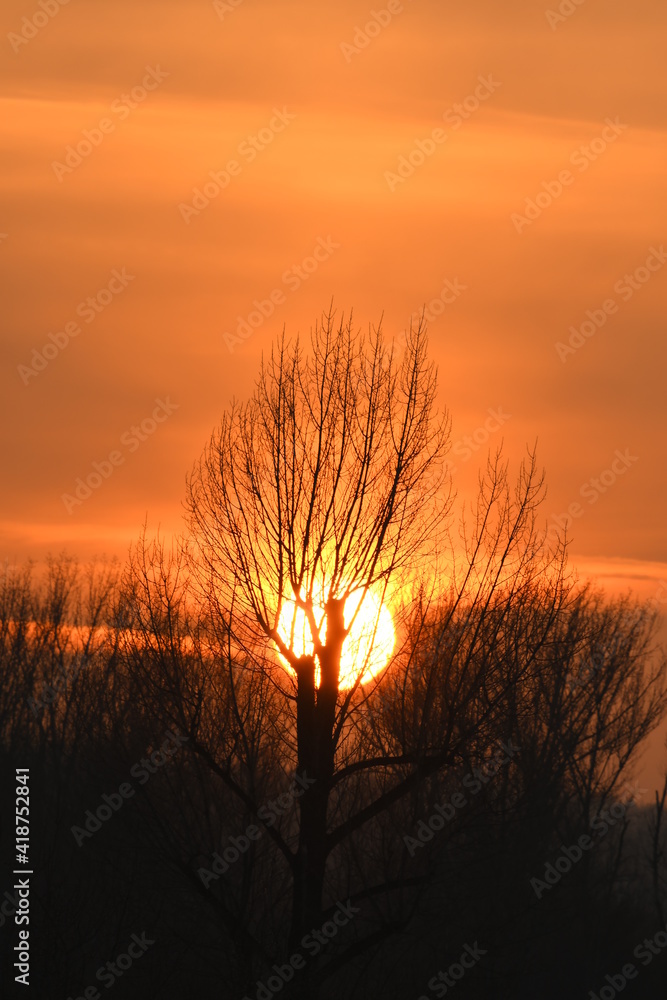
pixel 350 174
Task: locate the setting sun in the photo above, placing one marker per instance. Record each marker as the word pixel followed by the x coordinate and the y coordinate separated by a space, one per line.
pixel 367 648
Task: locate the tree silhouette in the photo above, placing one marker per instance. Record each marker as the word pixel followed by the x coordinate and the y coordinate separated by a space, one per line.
pixel 429 797
pixel 328 483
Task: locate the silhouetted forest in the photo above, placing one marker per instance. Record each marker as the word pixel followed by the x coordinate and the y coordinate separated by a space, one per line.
pixel 98 672
pixel 206 822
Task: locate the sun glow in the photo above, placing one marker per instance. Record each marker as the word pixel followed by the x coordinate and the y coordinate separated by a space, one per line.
pixel 367 648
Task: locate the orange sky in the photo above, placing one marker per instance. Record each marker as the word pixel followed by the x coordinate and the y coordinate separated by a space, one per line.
pixel 333 123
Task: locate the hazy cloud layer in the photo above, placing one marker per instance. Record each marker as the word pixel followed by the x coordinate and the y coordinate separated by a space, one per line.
pixel 328 175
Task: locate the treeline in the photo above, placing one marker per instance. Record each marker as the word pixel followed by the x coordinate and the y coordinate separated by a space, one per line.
pixel 485 828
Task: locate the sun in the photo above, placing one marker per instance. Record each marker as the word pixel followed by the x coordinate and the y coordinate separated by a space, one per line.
pixel 367 648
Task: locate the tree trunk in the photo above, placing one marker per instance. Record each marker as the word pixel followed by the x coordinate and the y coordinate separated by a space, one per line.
pixel 316 713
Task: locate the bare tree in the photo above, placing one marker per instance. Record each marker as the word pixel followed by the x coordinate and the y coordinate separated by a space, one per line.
pixel 328 483
pixel 326 487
